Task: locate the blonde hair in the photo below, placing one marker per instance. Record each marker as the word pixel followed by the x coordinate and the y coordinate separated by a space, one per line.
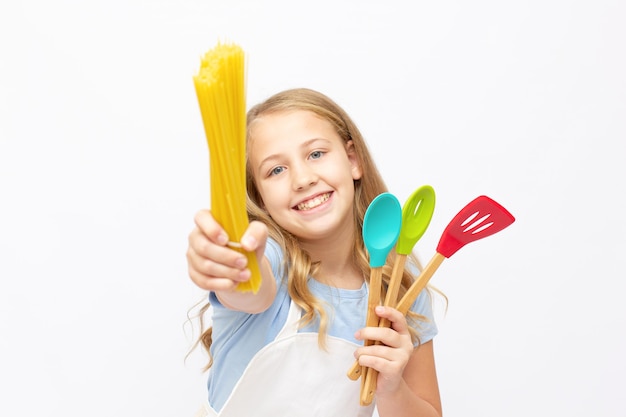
pixel 366 188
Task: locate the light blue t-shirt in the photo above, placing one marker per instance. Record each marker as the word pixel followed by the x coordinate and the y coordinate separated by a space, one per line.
pixel 238 336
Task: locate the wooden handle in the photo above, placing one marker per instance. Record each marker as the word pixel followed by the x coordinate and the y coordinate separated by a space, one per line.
pixel 371 375
pixel 419 284
pixel 356 370
pixel 395 280
pixel 368 386
pixel 373 300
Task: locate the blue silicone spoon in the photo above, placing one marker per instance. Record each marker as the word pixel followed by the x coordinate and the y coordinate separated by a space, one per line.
pixel 381 229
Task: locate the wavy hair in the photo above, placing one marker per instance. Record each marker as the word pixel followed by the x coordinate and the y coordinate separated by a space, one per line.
pixel 298 266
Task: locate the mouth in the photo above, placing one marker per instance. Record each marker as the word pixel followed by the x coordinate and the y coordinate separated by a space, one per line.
pixel 310 204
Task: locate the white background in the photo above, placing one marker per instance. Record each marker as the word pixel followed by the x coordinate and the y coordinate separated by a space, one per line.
pixel 103 164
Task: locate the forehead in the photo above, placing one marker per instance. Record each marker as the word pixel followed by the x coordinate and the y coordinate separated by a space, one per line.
pixel 293 126
pixel 284 121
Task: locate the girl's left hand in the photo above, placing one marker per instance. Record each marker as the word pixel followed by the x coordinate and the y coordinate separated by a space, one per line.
pixel 391 356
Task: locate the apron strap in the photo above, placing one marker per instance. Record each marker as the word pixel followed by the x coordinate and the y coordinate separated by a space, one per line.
pixel 291 324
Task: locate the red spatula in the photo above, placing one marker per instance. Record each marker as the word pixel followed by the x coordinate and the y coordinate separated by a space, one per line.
pixel 480 218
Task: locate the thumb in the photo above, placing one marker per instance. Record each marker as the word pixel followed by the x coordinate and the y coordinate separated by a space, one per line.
pixel 255 238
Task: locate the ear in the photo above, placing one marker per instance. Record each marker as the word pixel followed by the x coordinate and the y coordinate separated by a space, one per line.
pixel 357 171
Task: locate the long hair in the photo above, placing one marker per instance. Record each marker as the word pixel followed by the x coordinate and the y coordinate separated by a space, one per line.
pixel 297 265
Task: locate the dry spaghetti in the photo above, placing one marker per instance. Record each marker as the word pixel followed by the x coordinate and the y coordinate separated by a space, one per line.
pixel 220 87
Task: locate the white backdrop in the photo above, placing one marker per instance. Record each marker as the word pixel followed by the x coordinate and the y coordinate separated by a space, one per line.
pixel 103 164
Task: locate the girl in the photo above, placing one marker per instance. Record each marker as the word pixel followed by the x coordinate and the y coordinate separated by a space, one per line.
pixel 285 351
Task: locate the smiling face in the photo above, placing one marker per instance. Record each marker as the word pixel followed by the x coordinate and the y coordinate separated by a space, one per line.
pixel 304 173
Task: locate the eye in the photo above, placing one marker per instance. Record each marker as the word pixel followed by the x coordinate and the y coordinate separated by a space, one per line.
pixel 316 154
pixel 277 170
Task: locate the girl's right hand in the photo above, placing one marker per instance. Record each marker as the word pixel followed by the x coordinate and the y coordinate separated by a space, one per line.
pixel 212 264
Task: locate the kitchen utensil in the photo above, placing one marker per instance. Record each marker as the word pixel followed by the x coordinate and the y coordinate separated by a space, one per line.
pixel 381 228
pixel 416 215
pixel 480 218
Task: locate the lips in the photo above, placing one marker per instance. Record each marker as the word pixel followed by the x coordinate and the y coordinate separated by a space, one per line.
pixel 313 202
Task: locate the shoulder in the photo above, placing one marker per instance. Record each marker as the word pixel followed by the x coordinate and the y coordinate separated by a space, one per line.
pixel 273 251
pixel 276 257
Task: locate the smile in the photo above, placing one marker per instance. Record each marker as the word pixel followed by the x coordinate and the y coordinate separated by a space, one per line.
pixel 314 202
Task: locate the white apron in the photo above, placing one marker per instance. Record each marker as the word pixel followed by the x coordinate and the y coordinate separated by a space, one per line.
pixel 292 376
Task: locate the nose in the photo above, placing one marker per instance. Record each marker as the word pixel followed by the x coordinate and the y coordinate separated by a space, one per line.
pixel 303 177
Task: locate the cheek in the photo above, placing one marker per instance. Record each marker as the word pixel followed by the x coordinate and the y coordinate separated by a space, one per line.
pixel 348 173
pixel 270 196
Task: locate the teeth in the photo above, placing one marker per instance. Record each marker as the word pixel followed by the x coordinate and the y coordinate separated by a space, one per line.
pixel 314 202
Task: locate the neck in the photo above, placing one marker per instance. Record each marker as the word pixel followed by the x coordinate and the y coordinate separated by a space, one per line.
pixel 337 267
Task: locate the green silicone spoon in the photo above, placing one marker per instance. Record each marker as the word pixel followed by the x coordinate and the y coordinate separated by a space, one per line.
pixel 416 215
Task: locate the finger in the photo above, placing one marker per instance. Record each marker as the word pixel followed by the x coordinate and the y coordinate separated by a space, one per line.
pixel 211 283
pixel 204 247
pixel 374 351
pixel 374 362
pixel 396 318
pixel 384 360
pixel 397 336
pixel 384 335
pixel 222 263
pixel 387 335
pixel 255 237
pixel 219 278
pixel 209 227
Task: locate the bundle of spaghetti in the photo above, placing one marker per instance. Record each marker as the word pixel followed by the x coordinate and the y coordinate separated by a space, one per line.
pixel 220 87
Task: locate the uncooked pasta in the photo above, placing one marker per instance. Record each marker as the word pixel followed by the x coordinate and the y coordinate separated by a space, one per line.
pixel 220 87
